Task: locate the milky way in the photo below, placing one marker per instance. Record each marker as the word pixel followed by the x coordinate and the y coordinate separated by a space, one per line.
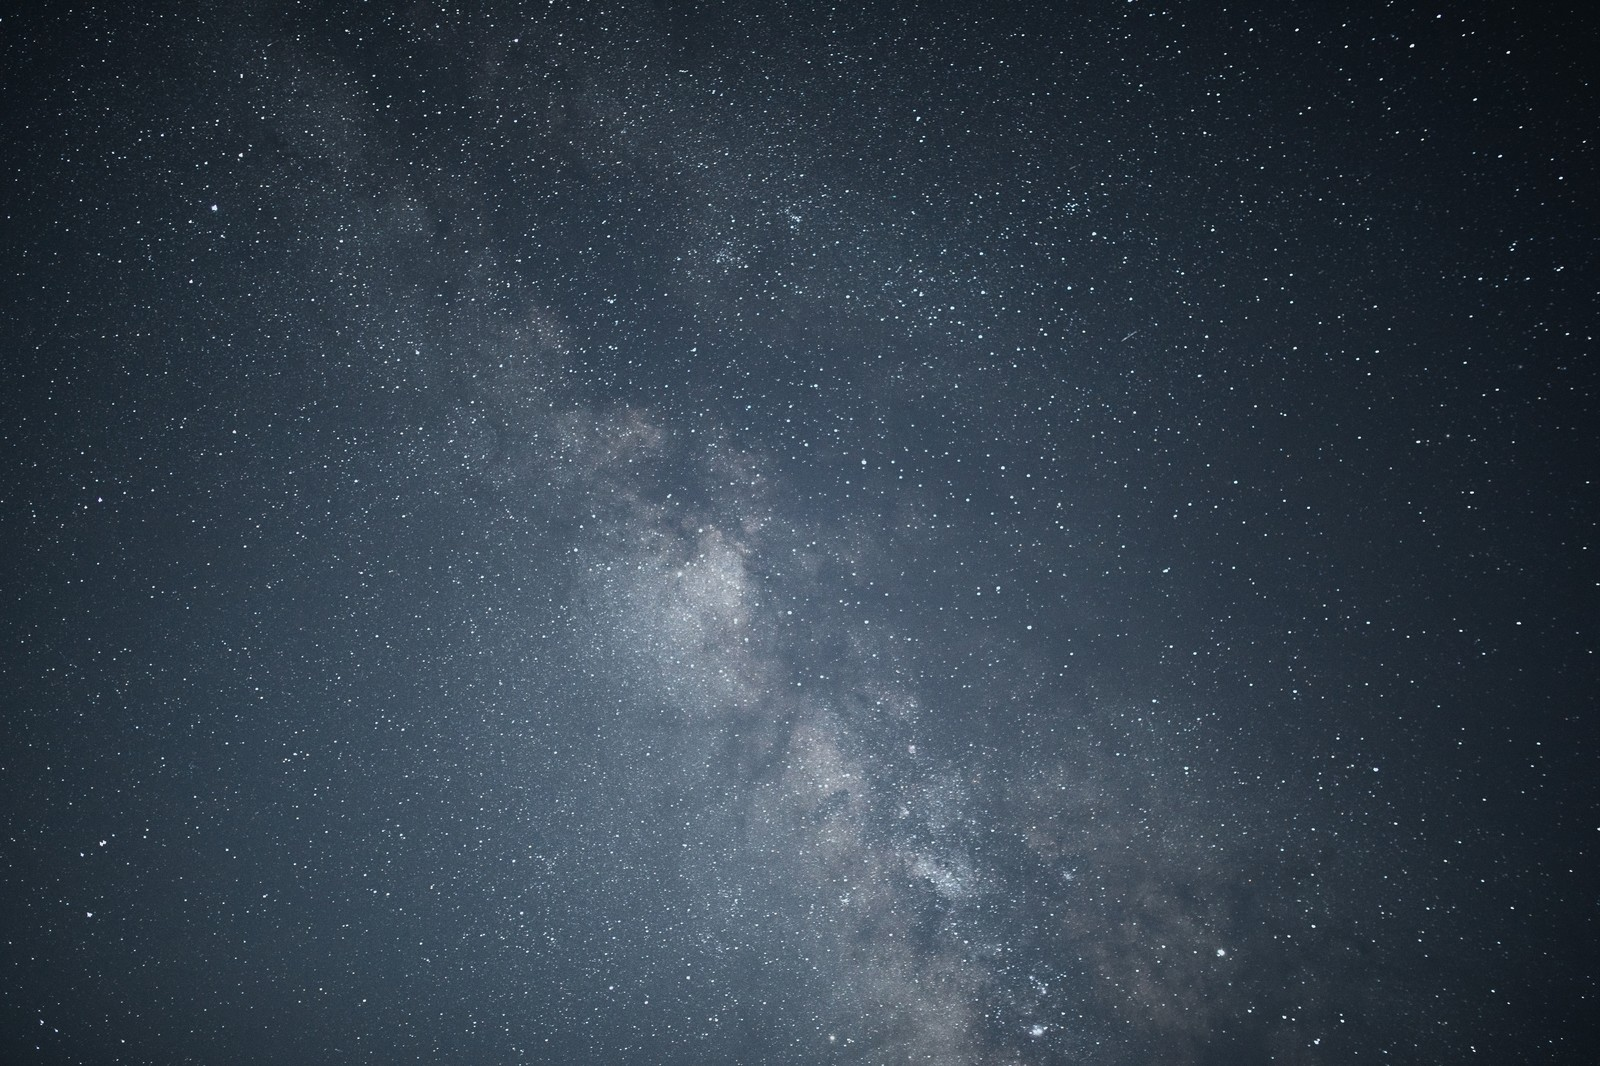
pixel 698 533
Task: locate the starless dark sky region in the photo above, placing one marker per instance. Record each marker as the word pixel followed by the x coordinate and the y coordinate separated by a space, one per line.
pixel 693 533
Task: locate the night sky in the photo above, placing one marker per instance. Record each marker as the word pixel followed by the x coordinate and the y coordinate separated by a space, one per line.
pixel 699 533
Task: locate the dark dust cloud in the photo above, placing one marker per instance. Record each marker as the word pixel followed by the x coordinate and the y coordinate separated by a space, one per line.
pixel 716 533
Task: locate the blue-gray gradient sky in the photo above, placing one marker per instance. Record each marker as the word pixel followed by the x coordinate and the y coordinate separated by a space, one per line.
pixel 699 533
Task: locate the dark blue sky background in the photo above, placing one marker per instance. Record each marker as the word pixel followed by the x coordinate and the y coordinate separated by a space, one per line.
pixel 700 533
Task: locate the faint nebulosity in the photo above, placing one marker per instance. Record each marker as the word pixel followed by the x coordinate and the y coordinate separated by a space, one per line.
pixel 741 533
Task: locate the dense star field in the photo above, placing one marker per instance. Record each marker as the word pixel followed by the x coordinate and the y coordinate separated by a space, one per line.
pixel 696 533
